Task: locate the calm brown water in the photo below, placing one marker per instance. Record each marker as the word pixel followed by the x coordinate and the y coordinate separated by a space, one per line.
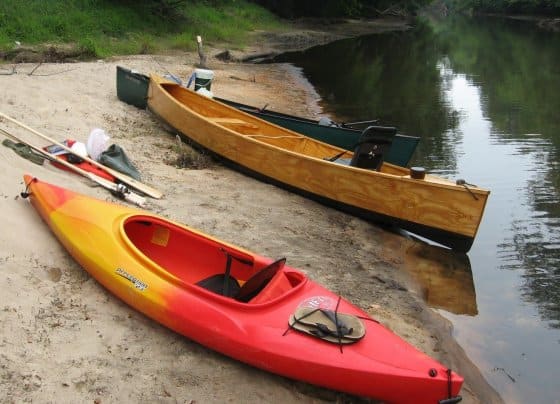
pixel 484 96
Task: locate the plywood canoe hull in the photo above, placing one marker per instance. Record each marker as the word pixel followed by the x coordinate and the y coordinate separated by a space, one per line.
pixel 153 265
pixel 434 208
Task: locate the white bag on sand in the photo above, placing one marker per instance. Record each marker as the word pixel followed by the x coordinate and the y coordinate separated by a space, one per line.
pixel 97 143
pixel 80 149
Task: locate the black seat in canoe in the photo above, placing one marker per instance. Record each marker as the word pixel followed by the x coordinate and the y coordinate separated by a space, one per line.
pixel 374 142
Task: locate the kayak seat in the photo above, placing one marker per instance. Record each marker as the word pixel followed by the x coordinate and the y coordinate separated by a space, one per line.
pixel 224 284
pixel 374 142
pixel 215 283
pixel 257 282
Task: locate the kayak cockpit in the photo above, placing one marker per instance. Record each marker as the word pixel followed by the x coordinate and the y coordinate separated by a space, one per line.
pixel 185 256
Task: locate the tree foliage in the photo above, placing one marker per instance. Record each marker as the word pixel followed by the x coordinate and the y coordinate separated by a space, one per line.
pixel 550 7
pixel 342 8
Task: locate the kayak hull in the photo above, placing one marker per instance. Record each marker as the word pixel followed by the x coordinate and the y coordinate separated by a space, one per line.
pixel 154 265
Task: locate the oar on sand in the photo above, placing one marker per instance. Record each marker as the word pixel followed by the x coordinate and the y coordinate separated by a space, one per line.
pixel 146 189
pixel 117 189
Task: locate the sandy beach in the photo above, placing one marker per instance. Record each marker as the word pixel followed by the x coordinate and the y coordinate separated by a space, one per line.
pixel 65 339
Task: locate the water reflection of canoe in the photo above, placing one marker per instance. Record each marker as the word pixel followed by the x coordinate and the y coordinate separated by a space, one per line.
pixel 444 277
pixel 236 302
pixel 432 207
pixel 346 137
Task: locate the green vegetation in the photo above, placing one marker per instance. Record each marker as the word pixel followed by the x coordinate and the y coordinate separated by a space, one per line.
pixel 343 8
pixel 188 157
pixel 549 7
pixel 104 27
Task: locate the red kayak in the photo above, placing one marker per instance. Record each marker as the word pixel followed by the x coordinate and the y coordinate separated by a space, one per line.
pixel 252 308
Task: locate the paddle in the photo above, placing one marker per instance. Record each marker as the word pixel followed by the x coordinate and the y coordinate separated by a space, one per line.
pixel 350 124
pixel 118 189
pixel 154 193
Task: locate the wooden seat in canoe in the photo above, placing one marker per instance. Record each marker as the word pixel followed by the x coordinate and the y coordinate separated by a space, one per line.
pixel 233 121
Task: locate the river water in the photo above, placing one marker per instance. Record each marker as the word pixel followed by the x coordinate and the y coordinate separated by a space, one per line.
pixel 484 95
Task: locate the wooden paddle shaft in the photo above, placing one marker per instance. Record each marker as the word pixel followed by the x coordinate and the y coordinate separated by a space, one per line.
pixel 127 194
pixel 154 193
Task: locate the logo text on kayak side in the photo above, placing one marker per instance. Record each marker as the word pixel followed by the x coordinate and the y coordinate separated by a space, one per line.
pixel 138 284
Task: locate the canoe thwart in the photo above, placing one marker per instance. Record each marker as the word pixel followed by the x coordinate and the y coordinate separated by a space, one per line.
pixel 233 121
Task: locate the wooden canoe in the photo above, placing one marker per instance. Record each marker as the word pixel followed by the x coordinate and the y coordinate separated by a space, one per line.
pixel 435 208
pixel 168 271
pixel 132 88
pixel 400 153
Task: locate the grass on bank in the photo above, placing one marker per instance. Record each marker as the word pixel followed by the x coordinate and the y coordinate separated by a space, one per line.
pixel 104 27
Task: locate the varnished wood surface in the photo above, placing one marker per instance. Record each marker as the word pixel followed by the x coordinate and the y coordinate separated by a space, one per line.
pixel 300 162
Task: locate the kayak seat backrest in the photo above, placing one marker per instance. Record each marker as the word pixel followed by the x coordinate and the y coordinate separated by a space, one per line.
pixel 375 141
pixel 281 283
pixel 258 281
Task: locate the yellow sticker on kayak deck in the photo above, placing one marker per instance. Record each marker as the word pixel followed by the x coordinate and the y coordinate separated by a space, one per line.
pixel 160 236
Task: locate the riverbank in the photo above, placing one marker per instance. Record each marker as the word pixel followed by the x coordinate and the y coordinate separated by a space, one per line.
pixel 64 336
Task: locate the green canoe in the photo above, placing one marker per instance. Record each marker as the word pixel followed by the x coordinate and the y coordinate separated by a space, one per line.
pixel 132 87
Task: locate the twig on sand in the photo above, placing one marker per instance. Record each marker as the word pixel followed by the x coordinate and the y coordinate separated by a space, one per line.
pixel 252 80
pixel 53 74
pixel 31 73
pixel 48 74
pixel 506 373
pixel 35 68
